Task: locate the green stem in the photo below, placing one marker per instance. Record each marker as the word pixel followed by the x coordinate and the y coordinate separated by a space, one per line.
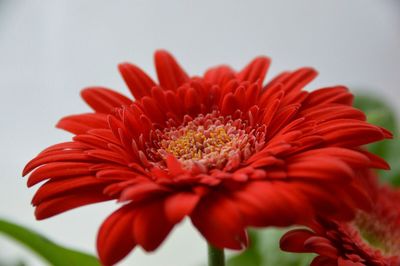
pixel 216 257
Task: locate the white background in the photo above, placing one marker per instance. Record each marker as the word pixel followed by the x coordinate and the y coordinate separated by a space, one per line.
pixel 49 50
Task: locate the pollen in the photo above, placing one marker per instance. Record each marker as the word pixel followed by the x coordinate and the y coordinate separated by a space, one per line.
pixel 210 140
pixel 195 144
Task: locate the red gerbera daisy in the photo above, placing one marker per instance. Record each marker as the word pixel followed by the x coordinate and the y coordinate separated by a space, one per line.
pixel 222 149
pixel 372 239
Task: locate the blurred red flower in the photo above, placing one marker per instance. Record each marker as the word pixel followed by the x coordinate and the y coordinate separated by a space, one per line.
pixel 372 239
pixel 222 149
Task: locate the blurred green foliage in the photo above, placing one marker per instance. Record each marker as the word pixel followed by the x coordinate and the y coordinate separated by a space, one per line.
pixel 53 253
pixel 14 263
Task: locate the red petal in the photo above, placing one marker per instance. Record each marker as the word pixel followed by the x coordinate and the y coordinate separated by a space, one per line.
pixel 219 75
pixel 252 94
pixel 338 94
pixel 325 169
pixel 323 199
pixel 348 262
pixel 282 118
pixel 57 148
pixel 220 222
pixel 229 104
pixel 151 226
pixel 179 205
pixel 293 241
pixel 255 70
pixel 268 203
pixel 174 166
pixel 333 111
pixel 351 157
pixel 322 246
pixel 56 156
pixel 376 161
pixel 139 192
pixel 324 261
pixel 349 133
pixel 298 79
pixel 138 82
pixel 169 73
pixel 109 156
pixel 58 188
pixel 115 239
pixel 104 100
pixel 151 109
pixel 61 204
pixel 192 101
pixel 79 124
pixel 58 170
pixel 240 96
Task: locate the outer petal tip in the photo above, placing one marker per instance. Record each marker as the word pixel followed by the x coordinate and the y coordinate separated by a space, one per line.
pixel 256 70
pixel 138 82
pixel 170 74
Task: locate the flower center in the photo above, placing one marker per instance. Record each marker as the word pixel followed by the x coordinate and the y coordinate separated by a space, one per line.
pixel 382 235
pixel 200 143
pixel 211 140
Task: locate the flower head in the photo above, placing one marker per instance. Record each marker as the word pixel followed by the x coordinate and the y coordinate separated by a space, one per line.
pixel 222 149
pixel 372 239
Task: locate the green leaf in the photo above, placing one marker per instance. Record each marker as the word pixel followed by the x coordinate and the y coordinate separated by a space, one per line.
pixel 379 113
pixel 46 249
pixel 12 263
pixel 264 251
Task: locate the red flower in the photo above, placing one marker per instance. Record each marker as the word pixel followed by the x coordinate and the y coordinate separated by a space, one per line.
pixel 222 149
pixel 372 239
